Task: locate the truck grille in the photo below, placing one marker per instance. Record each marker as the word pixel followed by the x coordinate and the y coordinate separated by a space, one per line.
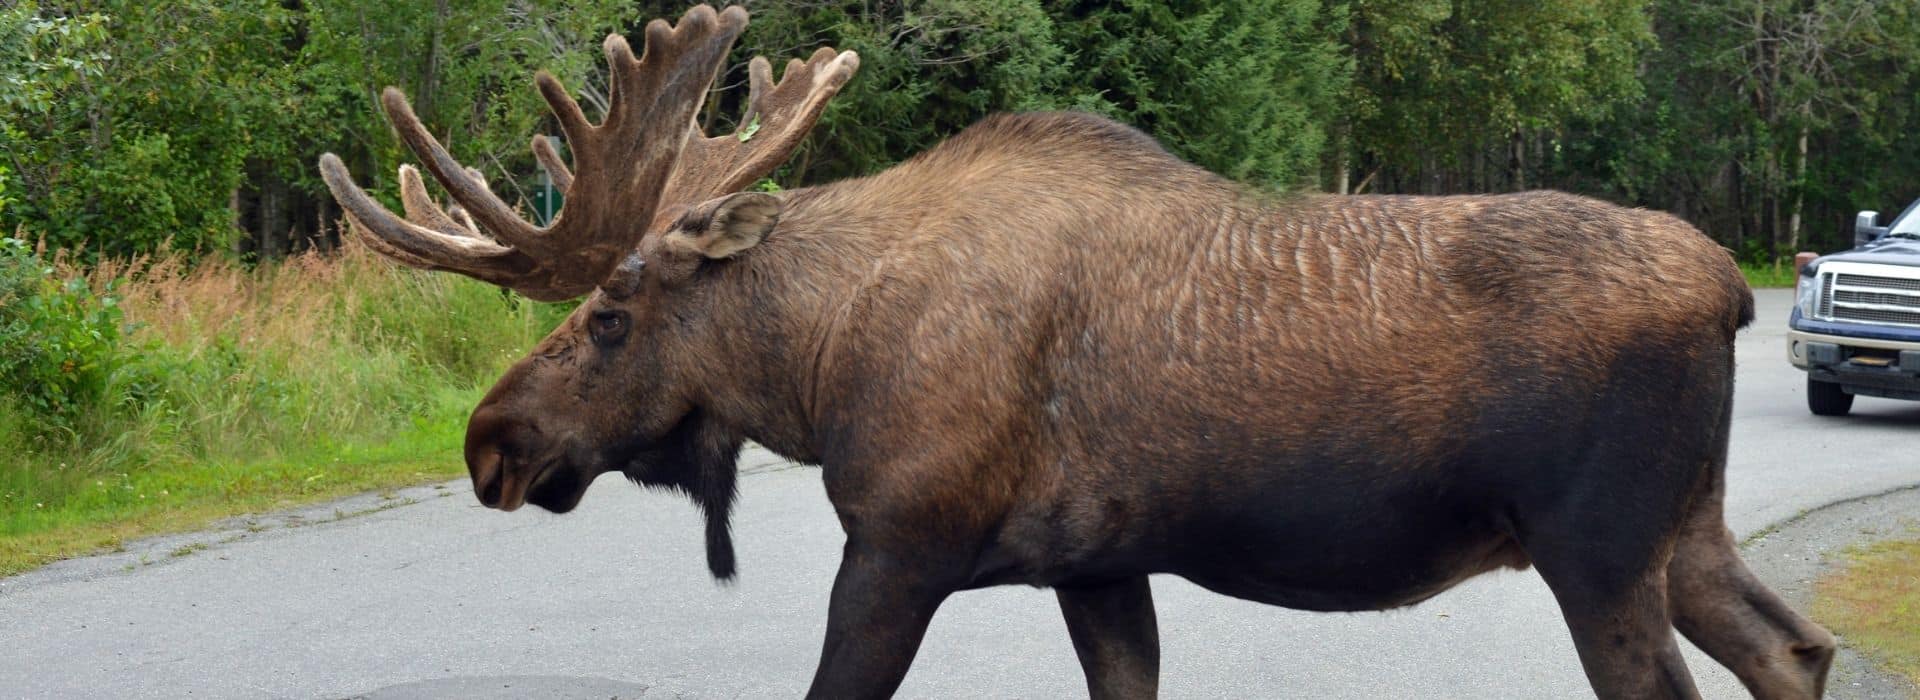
pixel 1826 298
pixel 1870 299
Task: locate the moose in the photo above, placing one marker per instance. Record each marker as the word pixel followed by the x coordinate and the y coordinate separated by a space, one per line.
pixel 1048 352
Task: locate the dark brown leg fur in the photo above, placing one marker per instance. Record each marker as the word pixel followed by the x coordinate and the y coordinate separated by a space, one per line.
pixel 1722 608
pixel 1116 636
pixel 1622 632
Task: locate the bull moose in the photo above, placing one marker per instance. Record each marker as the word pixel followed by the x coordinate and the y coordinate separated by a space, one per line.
pixel 1047 352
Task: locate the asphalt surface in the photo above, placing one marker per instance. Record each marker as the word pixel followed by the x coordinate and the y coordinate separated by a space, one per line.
pixel 442 598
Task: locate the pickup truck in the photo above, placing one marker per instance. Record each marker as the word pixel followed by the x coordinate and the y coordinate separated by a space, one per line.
pixel 1855 326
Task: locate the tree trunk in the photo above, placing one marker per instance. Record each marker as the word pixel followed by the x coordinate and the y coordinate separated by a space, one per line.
pixel 1517 160
pixel 429 81
pixel 1342 169
pixel 1798 184
pixel 239 222
pixel 325 236
pixel 272 237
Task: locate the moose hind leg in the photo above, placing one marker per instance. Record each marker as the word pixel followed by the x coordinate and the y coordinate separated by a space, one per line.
pixel 1719 605
pixel 1605 557
pixel 1620 626
pixel 1116 636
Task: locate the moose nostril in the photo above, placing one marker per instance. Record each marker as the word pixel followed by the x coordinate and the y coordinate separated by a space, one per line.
pixel 487 467
pixel 489 493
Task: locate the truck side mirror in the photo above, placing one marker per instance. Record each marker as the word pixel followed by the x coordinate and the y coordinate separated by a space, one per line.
pixel 1867 228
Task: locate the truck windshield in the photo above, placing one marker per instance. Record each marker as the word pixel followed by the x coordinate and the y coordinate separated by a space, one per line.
pixel 1908 225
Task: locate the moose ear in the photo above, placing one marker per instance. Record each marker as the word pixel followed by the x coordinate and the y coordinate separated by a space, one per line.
pixel 733 223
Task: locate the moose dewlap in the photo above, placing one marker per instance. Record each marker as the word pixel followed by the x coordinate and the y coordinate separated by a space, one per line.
pixel 1047 352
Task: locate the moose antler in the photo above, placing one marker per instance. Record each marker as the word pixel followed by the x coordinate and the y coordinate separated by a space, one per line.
pixel 646 159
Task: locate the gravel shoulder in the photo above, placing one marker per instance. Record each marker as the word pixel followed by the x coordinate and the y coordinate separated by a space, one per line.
pixel 1792 556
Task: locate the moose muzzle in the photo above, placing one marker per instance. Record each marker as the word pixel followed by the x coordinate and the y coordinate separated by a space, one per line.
pixel 496 455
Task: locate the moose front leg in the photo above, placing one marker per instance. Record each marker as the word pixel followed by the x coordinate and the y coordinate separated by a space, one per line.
pixel 1116 636
pixel 880 610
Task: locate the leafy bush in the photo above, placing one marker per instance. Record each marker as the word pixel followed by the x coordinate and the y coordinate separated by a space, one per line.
pixel 4 197
pixel 62 346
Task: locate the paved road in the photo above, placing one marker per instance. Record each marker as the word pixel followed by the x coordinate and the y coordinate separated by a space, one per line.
pixel 442 598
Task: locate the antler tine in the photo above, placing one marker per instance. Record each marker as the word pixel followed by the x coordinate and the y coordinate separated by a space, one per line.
pixel 427 242
pixel 422 211
pixel 784 111
pixel 672 76
pixel 471 192
pixel 550 161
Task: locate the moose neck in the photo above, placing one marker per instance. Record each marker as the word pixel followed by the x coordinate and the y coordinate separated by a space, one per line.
pixel 775 318
pixel 809 324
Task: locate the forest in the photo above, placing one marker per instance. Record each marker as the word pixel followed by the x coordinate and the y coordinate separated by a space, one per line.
pixel 193 125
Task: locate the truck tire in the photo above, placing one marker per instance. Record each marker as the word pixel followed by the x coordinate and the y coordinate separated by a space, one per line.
pixel 1827 398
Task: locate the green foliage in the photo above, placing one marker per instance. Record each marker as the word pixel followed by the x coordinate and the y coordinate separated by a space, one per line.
pixel 45 55
pixel 926 71
pixel 467 69
pixel 1439 83
pixel 131 126
pixel 130 118
pixel 62 348
pixel 1777 274
pixel 1243 88
pixel 1767 123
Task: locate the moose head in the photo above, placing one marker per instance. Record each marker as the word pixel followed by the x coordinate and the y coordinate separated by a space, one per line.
pixel 653 209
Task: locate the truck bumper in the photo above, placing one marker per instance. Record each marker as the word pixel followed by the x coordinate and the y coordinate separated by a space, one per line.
pixel 1865 366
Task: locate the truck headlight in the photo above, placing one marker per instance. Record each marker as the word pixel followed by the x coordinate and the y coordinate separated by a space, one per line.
pixel 1806 293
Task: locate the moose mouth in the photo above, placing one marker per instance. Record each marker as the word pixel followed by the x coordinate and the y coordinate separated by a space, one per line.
pixel 506 491
pixel 557 489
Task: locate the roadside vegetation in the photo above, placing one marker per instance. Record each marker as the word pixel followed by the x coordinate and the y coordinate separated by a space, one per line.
pixel 1763 275
pixel 157 395
pixel 1873 600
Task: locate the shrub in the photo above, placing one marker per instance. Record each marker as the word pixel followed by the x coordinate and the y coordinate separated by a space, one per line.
pixel 63 347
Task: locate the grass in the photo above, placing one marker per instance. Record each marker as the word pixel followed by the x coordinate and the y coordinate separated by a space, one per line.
pixel 1765 275
pixel 150 396
pixel 1874 602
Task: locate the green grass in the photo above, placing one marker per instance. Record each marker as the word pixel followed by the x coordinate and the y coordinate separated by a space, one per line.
pixel 1873 602
pixel 226 391
pixel 99 515
pixel 1765 275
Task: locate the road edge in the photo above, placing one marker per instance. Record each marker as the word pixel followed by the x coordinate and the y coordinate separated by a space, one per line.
pixel 1791 555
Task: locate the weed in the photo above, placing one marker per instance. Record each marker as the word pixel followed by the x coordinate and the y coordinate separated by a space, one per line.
pixel 1873 601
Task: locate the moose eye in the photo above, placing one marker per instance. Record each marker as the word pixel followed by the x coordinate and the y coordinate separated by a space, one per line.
pixel 608 326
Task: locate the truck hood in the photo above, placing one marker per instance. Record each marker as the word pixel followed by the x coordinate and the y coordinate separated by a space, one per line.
pixel 1887 251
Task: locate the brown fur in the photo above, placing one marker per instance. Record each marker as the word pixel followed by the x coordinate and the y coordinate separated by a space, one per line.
pixel 1047 352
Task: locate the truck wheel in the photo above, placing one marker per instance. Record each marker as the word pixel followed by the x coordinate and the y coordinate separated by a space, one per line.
pixel 1827 398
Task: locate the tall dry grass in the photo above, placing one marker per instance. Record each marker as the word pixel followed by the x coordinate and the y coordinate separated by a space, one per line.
pixel 222 367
